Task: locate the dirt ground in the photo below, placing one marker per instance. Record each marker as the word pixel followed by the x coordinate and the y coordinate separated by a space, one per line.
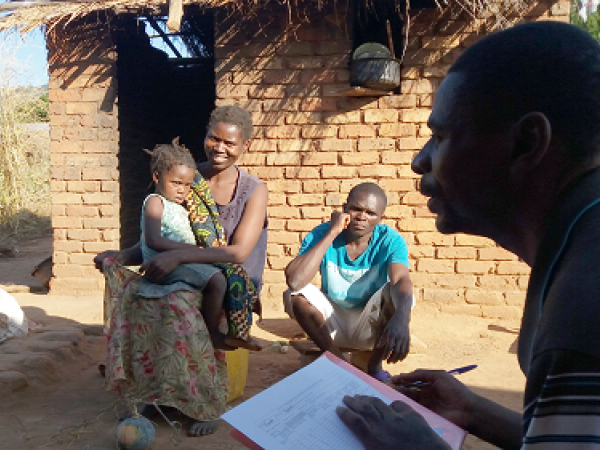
pixel 70 409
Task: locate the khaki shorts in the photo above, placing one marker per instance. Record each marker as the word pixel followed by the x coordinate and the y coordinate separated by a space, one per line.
pixel 354 329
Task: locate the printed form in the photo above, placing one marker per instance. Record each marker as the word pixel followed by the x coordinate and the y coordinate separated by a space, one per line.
pixel 298 413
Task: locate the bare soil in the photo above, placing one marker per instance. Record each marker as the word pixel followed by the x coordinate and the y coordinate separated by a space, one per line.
pixel 70 409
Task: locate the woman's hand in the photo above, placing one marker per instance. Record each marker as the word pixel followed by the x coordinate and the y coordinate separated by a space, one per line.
pixel 382 427
pixel 161 265
pixel 100 257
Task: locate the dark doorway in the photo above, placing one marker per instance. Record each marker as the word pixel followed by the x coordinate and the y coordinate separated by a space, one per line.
pixel 166 85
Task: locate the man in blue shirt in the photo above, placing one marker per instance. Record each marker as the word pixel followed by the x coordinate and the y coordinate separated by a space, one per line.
pixel 365 299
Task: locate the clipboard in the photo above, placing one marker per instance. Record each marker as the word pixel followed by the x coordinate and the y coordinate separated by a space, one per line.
pixel 273 406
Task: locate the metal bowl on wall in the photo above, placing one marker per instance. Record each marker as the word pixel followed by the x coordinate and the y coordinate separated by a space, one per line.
pixel 375 73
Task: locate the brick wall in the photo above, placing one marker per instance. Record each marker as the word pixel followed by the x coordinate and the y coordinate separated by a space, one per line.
pixel 312 145
pixel 84 146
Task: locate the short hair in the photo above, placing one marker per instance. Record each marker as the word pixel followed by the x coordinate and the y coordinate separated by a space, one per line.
pixel 233 115
pixel 370 189
pixel 547 67
pixel 166 156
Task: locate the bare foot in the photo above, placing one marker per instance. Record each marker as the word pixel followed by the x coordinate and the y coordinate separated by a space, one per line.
pixel 225 342
pixel 202 428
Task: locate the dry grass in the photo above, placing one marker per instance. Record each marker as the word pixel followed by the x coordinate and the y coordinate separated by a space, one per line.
pixel 24 155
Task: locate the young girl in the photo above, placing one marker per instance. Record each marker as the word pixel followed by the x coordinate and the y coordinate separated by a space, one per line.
pixel 166 226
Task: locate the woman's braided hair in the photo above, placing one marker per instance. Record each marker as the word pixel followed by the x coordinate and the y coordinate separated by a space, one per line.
pixel 233 115
pixel 166 156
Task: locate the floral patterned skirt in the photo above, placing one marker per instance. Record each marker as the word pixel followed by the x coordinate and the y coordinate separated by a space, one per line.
pixel 159 350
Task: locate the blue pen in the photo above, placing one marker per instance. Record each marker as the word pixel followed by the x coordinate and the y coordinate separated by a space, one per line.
pixel 456 371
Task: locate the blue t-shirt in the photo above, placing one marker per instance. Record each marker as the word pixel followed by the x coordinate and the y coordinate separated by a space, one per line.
pixel 349 283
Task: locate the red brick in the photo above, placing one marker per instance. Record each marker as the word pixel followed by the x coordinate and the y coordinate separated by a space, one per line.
pixel 84 259
pixel 338 145
pixel 287 186
pixel 305 63
pixel 515 298
pixel 66 270
pixel 266 173
pixel 334 199
pixel 318 131
pixel 416 225
pixel 283 237
pixel 80 108
pixel 513 268
pixel 305 199
pixel 484 297
pixel 83 186
pixel 64 198
pixel 101 223
pixel 418 252
pixel 99 198
pixel 397 185
pixel 283 159
pixel 436 239
pixel 396 129
pixel 319 186
pixel 318 104
pixel 443 296
pixel 416 115
pixel 99 173
pixel 497 282
pixel 282 132
pixel 286 105
pixel 318 159
pixel 302 225
pixel 317 76
pixel 338 172
pixel 356 131
pixel 97 247
pixel 252 159
pixel 477 267
pixel 475 241
pixel 109 186
pixel 381 116
pixel 357 159
pixel 398 101
pixel 496 254
pixel 302 118
pixel 435 266
pixel 112 236
pixel 376 144
pixel 418 86
pixel 377 171
pixel 414 198
pixel 398 211
pixel 81 211
pixel 302 172
pixel 396 157
pixel 343 117
pixel 67 246
pixel 84 235
pixel 74 285
pixel 315 212
pixel 456 253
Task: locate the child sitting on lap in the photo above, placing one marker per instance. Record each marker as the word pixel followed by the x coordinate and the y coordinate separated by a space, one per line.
pixel 166 226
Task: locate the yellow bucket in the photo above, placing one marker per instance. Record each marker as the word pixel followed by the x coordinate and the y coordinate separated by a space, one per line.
pixel 237 369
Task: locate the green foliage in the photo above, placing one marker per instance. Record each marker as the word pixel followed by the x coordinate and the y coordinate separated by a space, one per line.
pixel 591 25
pixel 34 110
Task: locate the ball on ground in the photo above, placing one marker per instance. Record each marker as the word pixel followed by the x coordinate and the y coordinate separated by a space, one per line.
pixel 135 434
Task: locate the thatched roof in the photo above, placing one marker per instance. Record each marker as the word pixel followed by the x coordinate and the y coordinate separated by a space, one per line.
pixel 29 14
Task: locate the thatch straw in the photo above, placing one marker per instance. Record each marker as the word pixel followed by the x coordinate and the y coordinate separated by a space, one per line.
pixel 25 19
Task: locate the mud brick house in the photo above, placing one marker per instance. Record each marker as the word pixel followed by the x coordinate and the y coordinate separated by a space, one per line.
pixel 113 93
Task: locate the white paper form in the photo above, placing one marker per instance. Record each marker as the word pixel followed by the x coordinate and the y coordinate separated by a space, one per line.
pixel 298 413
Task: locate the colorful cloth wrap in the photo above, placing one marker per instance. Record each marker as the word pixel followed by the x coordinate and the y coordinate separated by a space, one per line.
pixel 241 298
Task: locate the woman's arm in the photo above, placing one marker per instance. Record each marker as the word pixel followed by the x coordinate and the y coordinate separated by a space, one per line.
pixel 131 256
pixel 242 242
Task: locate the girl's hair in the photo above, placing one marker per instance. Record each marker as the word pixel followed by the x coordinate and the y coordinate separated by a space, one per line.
pixel 233 115
pixel 166 156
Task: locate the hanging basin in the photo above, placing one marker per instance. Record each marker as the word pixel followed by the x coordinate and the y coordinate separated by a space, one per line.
pixel 375 73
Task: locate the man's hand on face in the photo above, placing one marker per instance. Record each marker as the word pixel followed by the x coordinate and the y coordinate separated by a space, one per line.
pixel 382 427
pixel 395 339
pixel 339 222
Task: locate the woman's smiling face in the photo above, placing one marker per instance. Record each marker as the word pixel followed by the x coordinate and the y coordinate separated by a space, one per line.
pixel 224 145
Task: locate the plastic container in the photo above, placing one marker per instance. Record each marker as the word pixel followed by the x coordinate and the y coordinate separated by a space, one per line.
pixel 237 369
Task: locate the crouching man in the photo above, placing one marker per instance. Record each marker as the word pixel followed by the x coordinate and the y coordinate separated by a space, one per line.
pixel 365 299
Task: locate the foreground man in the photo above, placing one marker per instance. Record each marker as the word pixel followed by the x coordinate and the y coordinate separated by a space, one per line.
pixel 515 156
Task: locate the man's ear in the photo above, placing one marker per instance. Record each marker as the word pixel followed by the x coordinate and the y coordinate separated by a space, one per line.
pixel 155 177
pixel 531 139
